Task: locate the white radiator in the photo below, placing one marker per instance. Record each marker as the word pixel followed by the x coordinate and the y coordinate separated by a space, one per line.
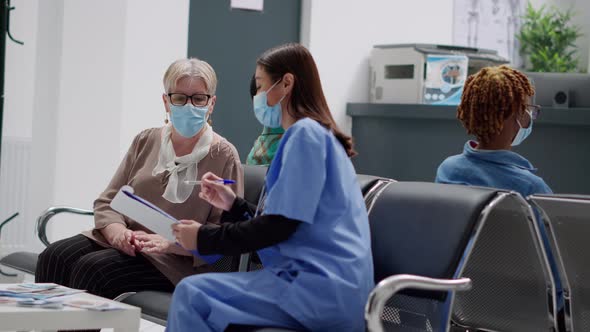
pixel 14 185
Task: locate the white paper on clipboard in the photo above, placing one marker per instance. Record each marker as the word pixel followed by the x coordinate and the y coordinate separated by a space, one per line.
pixel 143 212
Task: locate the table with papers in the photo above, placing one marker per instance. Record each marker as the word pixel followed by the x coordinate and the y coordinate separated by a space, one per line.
pixel 53 307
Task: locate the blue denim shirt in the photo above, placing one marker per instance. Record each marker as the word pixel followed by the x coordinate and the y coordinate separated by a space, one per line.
pixel 501 169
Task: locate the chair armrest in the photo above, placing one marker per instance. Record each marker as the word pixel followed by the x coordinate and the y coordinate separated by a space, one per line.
pixel 375 191
pixel 154 304
pixel 393 284
pixel 7 221
pixel 44 218
pixel 122 297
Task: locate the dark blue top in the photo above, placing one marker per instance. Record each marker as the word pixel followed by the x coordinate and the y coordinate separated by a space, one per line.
pixel 501 169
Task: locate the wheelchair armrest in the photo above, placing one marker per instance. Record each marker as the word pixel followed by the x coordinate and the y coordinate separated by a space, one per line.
pixel 393 284
pixel 44 218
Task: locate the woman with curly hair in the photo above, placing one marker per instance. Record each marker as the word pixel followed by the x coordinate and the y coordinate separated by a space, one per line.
pixel 496 108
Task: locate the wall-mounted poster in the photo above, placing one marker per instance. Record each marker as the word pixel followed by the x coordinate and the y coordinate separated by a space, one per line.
pixel 491 24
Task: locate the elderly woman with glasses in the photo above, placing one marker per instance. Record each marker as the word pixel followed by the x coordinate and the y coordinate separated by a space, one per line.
pixel 495 108
pixel 119 255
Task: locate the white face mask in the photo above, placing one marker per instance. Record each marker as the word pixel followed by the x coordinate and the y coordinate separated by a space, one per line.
pixel 523 133
pixel 188 120
pixel 268 116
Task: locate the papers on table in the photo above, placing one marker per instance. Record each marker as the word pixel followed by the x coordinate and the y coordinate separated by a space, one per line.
pixel 36 291
pixel 50 296
pixel 54 303
pixel 39 286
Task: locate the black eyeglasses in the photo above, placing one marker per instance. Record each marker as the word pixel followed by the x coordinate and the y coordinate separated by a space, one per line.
pixel 533 110
pixel 180 99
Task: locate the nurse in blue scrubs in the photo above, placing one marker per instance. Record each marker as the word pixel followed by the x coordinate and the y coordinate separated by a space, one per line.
pixel 310 231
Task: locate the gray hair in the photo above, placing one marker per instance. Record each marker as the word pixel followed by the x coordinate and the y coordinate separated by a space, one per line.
pixel 193 68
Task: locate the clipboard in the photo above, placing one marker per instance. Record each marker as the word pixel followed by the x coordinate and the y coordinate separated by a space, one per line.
pixel 143 212
pixel 150 216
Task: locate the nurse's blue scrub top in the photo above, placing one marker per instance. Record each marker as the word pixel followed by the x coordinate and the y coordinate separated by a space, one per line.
pixel 327 261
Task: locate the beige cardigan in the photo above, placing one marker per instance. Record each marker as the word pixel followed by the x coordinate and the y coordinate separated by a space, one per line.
pixel 136 170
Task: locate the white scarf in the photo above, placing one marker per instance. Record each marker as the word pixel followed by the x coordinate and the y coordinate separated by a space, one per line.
pixel 181 168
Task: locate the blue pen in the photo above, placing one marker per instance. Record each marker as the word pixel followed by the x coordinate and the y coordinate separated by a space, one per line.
pixel 223 181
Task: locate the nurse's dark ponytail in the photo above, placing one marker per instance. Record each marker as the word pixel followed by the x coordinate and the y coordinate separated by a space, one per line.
pixel 307 99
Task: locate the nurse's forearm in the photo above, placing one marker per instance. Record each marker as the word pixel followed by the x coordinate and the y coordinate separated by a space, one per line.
pixel 241 210
pixel 245 236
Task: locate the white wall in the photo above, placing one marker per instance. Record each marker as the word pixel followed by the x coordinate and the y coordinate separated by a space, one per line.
pixel 45 109
pixel 19 92
pixel 20 70
pixel 90 99
pixel 154 39
pixel 88 79
pixel 342 33
pixel 111 87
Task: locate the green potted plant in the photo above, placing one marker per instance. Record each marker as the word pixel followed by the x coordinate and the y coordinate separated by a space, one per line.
pixel 547 40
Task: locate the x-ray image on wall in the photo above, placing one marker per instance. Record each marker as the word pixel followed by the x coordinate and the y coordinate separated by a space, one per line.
pixel 490 24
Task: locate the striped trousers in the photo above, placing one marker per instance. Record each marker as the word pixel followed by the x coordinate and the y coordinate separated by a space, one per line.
pixel 80 263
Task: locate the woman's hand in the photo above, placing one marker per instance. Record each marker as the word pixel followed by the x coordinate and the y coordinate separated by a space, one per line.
pixel 216 194
pixel 186 233
pixel 120 238
pixel 152 243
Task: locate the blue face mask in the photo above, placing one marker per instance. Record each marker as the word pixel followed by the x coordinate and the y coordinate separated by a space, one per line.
pixel 188 120
pixel 268 116
pixel 523 133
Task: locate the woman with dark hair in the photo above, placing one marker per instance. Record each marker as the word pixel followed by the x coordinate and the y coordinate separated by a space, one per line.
pixel 310 228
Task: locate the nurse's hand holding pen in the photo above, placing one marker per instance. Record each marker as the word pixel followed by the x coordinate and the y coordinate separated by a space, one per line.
pixel 216 192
